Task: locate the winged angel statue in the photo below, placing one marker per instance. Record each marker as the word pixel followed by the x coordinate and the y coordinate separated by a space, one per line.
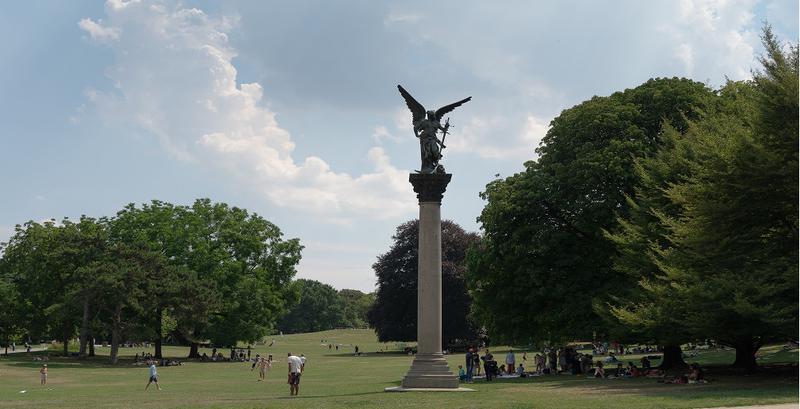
pixel 426 125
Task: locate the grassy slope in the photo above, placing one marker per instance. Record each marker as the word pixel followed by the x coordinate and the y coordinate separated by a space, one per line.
pixel 335 380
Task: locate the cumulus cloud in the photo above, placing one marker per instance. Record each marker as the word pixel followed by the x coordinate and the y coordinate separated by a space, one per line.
pixel 722 29
pixel 495 137
pixel 174 78
pixel 98 32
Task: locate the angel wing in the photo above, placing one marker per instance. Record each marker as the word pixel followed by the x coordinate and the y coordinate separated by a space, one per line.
pixel 447 108
pixel 417 110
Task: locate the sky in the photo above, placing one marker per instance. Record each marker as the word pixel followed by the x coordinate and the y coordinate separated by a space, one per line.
pixel 291 110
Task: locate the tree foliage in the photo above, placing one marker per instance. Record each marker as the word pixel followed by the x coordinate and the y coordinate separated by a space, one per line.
pixel 544 258
pixel 714 244
pixel 319 308
pixel 394 313
pixel 211 271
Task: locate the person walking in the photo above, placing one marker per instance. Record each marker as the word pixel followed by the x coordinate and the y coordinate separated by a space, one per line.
pixel 263 366
pixel 153 376
pixel 295 370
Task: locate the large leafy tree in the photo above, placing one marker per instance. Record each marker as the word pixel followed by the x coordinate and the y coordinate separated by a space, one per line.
pixel 318 308
pixel 356 307
pixel 42 262
pixel 9 310
pixel 229 269
pixel 725 252
pixel 544 248
pixel 394 313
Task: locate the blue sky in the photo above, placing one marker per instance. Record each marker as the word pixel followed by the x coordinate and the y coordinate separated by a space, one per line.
pixel 290 109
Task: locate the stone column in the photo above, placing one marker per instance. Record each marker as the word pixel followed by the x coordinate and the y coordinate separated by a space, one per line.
pixel 429 368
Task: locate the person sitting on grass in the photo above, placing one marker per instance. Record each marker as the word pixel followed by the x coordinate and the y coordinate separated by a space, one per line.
pixel 598 370
pixel 521 371
pixel 696 374
pixel 462 374
pixel 502 370
pixel 645 363
pixel 633 370
pixel 620 372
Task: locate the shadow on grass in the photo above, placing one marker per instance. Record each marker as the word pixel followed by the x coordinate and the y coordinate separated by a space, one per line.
pixel 777 382
pixel 331 396
pixel 26 360
pixel 391 354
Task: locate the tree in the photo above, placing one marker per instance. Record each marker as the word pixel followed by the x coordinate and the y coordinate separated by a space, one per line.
pixel 318 308
pixel 356 307
pixel 726 261
pixel 394 313
pixel 228 269
pixel 9 309
pixel 544 247
pixel 40 262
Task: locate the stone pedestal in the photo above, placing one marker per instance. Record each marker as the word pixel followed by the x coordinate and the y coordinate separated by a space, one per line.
pixel 429 369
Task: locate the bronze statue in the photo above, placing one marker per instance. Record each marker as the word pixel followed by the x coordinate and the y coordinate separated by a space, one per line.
pixel 426 125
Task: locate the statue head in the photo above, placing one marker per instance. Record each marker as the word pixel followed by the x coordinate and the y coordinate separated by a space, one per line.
pixel 431 115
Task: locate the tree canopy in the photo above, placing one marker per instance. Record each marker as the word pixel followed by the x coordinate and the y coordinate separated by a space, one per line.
pixel 394 313
pixel 544 249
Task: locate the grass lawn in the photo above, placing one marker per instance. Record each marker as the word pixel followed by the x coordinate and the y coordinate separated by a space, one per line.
pixel 341 380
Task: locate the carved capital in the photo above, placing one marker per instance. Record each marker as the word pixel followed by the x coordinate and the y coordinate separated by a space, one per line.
pixel 429 187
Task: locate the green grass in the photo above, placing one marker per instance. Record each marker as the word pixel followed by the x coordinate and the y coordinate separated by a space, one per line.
pixel 341 380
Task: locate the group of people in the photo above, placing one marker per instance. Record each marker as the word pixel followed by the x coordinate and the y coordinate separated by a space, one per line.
pixel 491 369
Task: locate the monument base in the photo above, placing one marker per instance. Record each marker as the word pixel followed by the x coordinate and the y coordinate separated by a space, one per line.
pixel 430 371
pixel 402 389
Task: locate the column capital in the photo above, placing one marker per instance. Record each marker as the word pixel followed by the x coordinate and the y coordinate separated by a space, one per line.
pixel 429 187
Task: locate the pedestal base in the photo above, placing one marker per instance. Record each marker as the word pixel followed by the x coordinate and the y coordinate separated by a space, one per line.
pixel 429 371
pixel 402 389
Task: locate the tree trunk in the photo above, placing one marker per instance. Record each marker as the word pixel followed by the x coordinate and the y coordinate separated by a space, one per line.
pixel 158 333
pixel 673 357
pixel 115 329
pixel 91 346
pixel 84 329
pixel 193 351
pixel 66 345
pixel 746 350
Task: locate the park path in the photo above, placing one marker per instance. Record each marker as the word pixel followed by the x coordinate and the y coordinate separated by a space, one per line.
pixel 780 406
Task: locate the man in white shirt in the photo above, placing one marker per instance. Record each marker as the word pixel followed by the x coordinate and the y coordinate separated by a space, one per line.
pixel 295 370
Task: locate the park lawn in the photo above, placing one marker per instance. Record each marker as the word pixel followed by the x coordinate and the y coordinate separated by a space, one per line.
pixel 341 380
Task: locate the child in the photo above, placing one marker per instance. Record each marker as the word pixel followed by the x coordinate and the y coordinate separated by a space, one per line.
pixel 153 376
pixel 462 374
pixel 43 372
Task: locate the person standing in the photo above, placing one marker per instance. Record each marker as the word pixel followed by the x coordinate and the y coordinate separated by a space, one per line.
pixel 488 361
pixel 511 361
pixel 264 365
pixel 43 373
pixel 470 361
pixel 295 370
pixel 303 360
pixel 153 376
pixel 476 362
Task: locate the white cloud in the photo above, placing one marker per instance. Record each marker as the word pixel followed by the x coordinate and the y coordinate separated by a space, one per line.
pixel 98 32
pixel 722 29
pixel 495 138
pixel 174 78
pixel 401 17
